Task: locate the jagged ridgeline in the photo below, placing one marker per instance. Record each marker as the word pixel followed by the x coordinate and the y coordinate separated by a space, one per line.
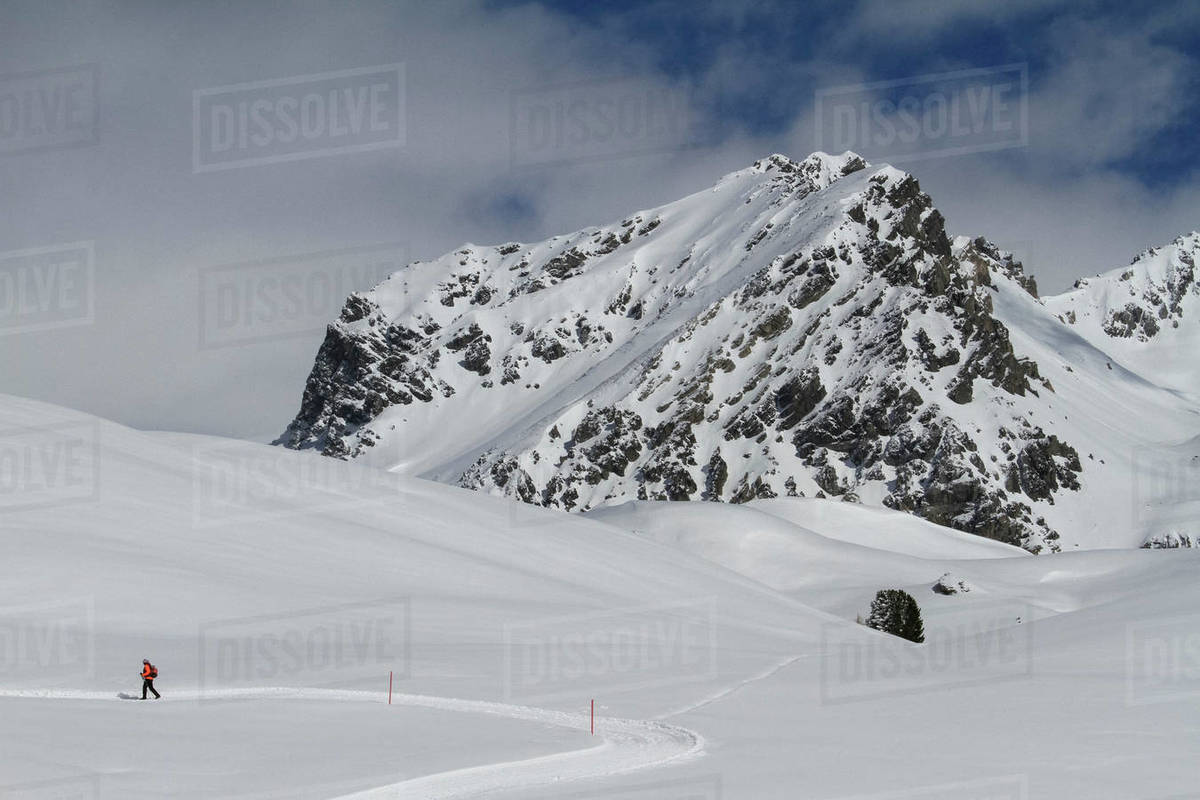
pixel 803 328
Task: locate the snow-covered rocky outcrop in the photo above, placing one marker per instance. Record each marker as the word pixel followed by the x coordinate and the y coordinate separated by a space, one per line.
pixel 1147 315
pixel 802 328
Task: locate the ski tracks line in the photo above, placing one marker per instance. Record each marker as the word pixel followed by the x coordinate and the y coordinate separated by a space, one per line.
pixel 627 745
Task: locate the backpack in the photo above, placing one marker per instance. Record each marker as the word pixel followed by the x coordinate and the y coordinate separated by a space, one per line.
pixel 153 672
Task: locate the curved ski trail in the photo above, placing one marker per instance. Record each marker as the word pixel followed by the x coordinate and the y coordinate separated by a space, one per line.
pixel 627 745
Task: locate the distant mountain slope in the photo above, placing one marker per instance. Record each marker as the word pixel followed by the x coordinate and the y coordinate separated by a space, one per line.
pixel 1147 315
pixel 802 328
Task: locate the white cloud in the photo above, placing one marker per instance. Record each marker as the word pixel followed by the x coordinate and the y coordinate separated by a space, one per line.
pixel 1104 93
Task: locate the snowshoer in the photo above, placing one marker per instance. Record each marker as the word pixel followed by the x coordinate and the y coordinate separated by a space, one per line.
pixel 149 673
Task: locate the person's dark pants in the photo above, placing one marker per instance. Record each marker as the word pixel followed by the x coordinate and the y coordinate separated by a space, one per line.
pixel 148 683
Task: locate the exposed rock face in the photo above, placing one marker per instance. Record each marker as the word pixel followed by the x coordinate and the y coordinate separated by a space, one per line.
pixel 357 375
pixel 1171 540
pixel 805 328
pixel 949 585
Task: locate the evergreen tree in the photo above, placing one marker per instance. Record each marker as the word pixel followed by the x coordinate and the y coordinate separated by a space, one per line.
pixel 895 611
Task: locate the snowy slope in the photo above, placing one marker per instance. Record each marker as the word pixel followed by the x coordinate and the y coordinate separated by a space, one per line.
pixel 801 329
pixel 1145 315
pixel 210 556
pixel 832 555
pixel 1146 448
pixel 1048 677
pixel 795 544
pixel 883 529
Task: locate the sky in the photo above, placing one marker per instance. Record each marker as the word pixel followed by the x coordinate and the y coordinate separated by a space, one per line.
pixel 190 190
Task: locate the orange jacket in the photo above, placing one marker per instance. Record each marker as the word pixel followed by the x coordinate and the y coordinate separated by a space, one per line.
pixel 146 671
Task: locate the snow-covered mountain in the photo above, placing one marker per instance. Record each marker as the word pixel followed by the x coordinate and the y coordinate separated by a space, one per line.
pixel 802 328
pixel 1147 315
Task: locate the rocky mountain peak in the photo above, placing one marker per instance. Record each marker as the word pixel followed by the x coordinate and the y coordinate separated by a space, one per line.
pixel 1154 297
pixel 813 173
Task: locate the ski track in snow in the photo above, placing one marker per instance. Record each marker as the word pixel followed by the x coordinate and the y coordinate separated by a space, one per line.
pixel 628 745
pixel 737 687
